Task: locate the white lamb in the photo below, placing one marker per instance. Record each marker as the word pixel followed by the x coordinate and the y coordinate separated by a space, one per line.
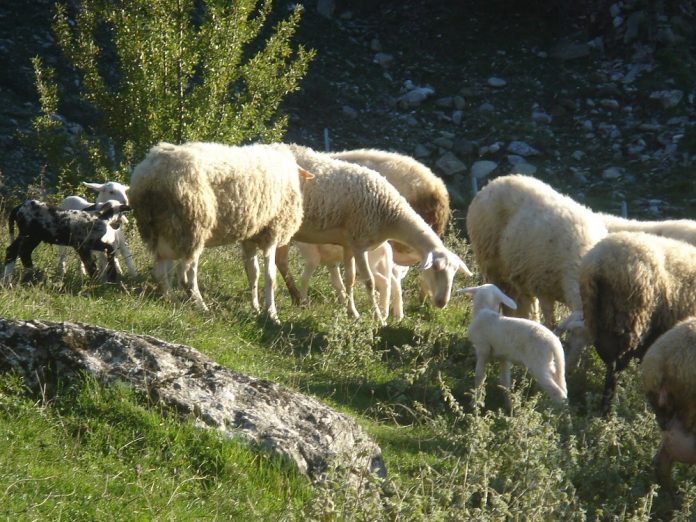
pixel 109 191
pixel 352 206
pixel 387 275
pixel 188 197
pixel 529 240
pixel 511 339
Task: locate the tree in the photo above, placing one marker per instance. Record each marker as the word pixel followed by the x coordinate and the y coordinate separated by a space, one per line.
pixel 166 70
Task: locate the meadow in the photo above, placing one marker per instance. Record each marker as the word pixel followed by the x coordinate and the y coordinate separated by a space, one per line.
pixel 93 452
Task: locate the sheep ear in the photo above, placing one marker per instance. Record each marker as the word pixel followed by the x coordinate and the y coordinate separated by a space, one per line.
pixel 574 320
pixel 507 301
pixel 427 261
pixel 463 267
pixel 305 175
pixel 94 186
pixel 468 290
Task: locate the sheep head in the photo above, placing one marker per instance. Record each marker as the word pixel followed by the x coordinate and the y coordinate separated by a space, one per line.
pixel 439 268
pixel 111 190
pixel 488 297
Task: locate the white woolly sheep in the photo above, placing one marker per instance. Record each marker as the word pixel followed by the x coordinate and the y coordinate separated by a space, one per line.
pixel 423 190
pixel 188 197
pixel 111 190
pixel 681 229
pixel 512 339
pixel 634 287
pixel 529 239
pixel 387 275
pixel 85 231
pixel 352 206
pixel 669 373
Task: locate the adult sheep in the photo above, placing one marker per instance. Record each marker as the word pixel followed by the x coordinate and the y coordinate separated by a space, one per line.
pixel 668 371
pixel 354 207
pixel 424 191
pixel 681 229
pixel 634 287
pixel 528 240
pixel 196 195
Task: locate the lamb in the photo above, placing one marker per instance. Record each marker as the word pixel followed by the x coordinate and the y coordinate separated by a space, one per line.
pixel 196 195
pixel 511 339
pixel 634 287
pixel 668 371
pixel 387 275
pixel 529 239
pixel 354 207
pixel 111 190
pixel 84 231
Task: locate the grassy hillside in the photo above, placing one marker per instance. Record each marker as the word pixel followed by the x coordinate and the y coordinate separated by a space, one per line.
pixel 95 453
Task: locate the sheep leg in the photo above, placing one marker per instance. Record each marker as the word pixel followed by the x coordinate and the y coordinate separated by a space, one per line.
pixel 547 312
pixel 269 282
pixel 363 267
pixel 26 248
pixel 349 281
pixel 383 287
pixel 662 463
pixel 310 266
pixel 61 260
pixel 337 283
pixel 282 261
pixel 86 257
pixel 122 247
pixel 251 266
pixel 609 388
pixel 481 361
pixel 11 257
pixel 397 298
pixel 160 271
pixel 192 283
pixel 506 381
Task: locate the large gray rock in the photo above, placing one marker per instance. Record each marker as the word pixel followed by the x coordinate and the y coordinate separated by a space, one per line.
pixel 263 413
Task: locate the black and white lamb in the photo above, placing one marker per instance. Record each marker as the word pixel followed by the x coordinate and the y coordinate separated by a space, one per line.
pixel 83 230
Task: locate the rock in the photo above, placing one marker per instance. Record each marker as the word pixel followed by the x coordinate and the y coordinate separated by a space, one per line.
pixel 667 98
pixel 450 165
pixel 496 82
pixel 522 148
pixel 265 414
pixel 541 117
pixel 524 168
pixel 349 111
pixel 326 8
pixel 415 97
pixel 486 107
pixel 482 168
pixel 612 173
pixel 568 50
pixel 421 151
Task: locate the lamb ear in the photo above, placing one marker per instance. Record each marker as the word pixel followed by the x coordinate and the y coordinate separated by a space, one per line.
pixel 507 301
pixel 305 175
pixel 94 186
pixel 463 267
pixel 468 290
pixel 574 320
pixel 427 262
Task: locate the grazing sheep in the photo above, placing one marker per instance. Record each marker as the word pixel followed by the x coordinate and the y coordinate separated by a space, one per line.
pixel 111 190
pixel 354 207
pixel 387 275
pixel 681 229
pixel 512 339
pixel 669 374
pixel 423 190
pixel 188 197
pixel 634 287
pixel 529 239
pixel 85 231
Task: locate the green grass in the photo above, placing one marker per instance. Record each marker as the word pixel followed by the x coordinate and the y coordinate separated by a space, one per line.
pixel 97 453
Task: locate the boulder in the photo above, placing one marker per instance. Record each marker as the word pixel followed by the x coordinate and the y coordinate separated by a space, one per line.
pixel 263 413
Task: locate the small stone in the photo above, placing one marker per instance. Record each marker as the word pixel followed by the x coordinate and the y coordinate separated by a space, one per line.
pixel 496 82
pixel 482 168
pixel 522 148
pixel 611 173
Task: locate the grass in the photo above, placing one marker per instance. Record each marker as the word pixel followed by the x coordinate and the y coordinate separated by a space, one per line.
pixel 104 453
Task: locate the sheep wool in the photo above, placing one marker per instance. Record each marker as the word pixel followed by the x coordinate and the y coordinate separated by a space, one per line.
pixel 198 195
pixel 681 229
pixel 634 287
pixel 668 371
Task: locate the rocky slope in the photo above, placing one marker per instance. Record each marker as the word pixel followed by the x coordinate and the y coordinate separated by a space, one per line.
pixel 602 107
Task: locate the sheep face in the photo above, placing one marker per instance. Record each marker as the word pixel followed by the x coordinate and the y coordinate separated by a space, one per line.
pixel 439 268
pixel 111 190
pixel 488 297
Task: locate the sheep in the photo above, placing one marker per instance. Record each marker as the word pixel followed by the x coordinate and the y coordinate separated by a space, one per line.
pixel 387 275
pixel 111 190
pixel 423 190
pixel 634 287
pixel 196 195
pixel 668 371
pixel 529 239
pixel 681 229
pixel 352 206
pixel 511 339
pixel 84 231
